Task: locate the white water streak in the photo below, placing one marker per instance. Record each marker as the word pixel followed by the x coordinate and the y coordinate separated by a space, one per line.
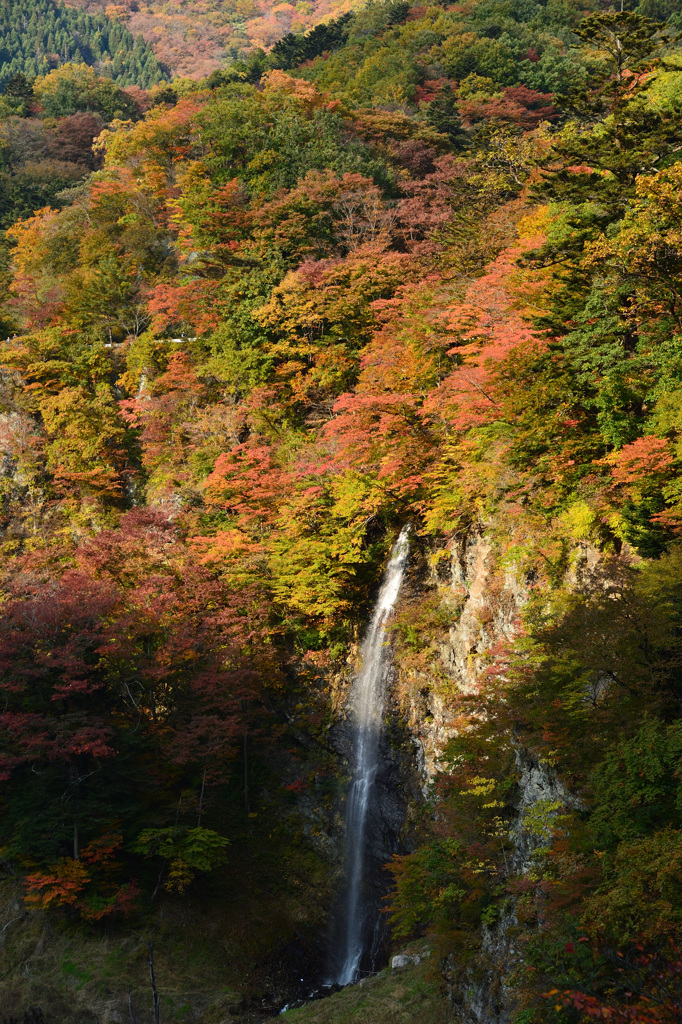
pixel 368 697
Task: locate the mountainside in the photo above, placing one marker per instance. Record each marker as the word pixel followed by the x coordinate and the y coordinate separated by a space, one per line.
pixel 417 273
pixel 39 35
pixel 196 37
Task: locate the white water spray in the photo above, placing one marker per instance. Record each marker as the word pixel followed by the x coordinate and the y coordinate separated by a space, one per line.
pixel 368 697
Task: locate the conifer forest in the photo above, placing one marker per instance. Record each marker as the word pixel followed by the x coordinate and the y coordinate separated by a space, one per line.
pixel 341 512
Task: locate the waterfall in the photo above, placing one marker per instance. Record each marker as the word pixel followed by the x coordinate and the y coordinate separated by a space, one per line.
pixel 368 696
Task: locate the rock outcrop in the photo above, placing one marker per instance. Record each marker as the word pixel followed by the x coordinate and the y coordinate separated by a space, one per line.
pixel 490 598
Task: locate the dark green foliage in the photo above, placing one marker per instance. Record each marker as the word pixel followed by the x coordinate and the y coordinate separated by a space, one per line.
pixel 398 12
pixel 627 41
pixel 661 10
pixel 637 785
pixel 39 35
pixel 240 129
pixel 443 114
pixel 429 879
pixel 288 53
pixel 629 139
pixel 292 50
pixel 22 193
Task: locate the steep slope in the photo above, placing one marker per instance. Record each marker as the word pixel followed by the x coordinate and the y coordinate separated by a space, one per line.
pixel 48 129
pixel 431 279
pixel 39 35
pixel 196 37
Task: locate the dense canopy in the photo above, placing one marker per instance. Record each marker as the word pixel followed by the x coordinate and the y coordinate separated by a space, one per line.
pixel 39 35
pixel 422 266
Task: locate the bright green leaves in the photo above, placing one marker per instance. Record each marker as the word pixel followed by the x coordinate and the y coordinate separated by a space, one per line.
pixel 186 851
pixel 315 573
pixel 270 139
pixel 76 87
pixel 87 439
pixel 321 562
pixel 86 444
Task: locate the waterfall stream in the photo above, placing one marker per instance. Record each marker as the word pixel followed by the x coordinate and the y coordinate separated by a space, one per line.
pixel 368 697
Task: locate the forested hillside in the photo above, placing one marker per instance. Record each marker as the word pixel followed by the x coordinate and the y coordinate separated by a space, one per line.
pixel 196 37
pixel 428 274
pixel 48 127
pixel 39 35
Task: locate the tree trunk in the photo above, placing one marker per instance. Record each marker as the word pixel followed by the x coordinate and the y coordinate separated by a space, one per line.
pixel 152 981
pixel 201 798
pixel 159 880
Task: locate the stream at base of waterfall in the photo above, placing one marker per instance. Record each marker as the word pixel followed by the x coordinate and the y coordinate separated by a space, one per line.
pixel 367 702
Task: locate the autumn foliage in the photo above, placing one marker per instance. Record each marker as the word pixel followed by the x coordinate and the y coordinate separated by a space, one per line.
pixel 431 277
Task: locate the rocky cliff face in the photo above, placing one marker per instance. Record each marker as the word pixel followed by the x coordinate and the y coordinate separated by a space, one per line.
pixel 490 599
pixel 468 577
pixel 481 994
